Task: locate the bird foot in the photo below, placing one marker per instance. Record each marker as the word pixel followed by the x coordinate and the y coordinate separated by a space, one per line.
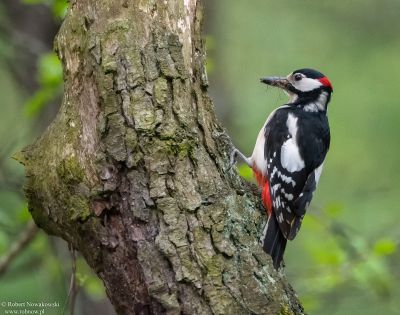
pixel 233 158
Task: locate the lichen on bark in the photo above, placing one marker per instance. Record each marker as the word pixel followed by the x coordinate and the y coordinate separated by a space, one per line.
pixel 133 171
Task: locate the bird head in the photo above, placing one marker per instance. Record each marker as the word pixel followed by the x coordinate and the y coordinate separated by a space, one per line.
pixel 303 86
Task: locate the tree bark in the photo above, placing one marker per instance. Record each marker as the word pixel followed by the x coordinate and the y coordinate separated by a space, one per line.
pixel 132 172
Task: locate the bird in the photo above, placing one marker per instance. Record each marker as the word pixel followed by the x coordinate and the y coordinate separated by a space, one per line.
pixel 289 155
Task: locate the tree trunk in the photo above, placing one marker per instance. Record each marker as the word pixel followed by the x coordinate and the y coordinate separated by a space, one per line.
pixel 132 172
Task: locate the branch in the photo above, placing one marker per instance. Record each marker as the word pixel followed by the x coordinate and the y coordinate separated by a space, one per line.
pixel 73 287
pixel 26 237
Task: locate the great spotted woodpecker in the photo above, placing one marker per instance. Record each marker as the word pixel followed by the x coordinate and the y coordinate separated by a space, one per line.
pixel 288 156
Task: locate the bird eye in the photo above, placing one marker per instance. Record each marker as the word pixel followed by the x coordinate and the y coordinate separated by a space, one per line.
pixel 297 77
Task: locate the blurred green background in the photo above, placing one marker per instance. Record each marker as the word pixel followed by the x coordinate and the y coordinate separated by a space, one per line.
pixel 344 260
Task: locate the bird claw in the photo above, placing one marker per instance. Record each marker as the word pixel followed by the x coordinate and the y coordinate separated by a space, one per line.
pixel 232 159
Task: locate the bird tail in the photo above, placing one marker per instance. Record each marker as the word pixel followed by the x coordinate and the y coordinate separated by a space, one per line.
pixel 274 242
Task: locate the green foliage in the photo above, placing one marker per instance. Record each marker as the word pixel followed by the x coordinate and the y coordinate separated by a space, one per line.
pixel 342 258
pixel 59 7
pixel 245 171
pixel 23 214
pixel 89 281
pixel 384 246
pixel 50 79
pixel 50 71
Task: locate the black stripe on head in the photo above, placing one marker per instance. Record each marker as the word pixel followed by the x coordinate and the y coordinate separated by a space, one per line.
pixel 310 73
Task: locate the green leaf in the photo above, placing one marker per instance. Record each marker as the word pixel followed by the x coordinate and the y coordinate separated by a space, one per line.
pixel 50 70
pixel 24 214
pixel 81 279
pixel 88 280
pixel 60 8
pixel 50 77
pixel 384 247
pixel 38 101
pixel 94 287
pixel 245 171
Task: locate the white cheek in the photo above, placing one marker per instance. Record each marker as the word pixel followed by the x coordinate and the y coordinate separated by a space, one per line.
pixel 307 84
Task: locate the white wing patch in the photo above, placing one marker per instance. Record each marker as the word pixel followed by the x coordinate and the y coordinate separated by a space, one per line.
pixel 290 154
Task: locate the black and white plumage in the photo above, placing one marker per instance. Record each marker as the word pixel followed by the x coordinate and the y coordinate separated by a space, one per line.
pixel 288 157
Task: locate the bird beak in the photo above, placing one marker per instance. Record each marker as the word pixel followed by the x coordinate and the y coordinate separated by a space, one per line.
pixel 280 82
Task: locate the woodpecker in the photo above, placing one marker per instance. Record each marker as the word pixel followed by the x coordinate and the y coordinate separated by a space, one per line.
pixel 289 154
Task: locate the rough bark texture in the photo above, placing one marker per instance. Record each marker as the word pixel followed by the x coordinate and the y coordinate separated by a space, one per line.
pixel 132 172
